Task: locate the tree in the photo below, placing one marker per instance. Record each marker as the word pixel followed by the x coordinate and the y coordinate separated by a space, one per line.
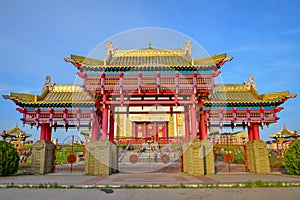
pixel 9 159
pixel 292 158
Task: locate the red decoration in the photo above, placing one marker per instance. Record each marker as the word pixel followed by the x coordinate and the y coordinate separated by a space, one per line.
pixel 165 159
pixel 71 158
pixel 228 158
pixel 133 158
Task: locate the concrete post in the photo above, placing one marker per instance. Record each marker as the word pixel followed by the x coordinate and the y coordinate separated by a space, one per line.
pixel 42 157
pixel 258 160
pixel 101 158
pixel 198 158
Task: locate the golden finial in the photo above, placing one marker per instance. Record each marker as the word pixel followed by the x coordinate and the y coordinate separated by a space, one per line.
pixel 149 45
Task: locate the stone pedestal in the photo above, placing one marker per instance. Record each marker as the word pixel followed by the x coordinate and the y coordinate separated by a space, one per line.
pixel 42 157
pixel 101 158
pixel 198 158
pixel 258 160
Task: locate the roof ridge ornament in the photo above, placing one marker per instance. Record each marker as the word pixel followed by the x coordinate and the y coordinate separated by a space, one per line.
pixel 149 45
pixel 110 48
pixel 251 83
pixel 48 86
pixel 187 48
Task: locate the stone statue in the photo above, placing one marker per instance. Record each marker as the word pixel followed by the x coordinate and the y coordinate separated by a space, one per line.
pixel 251 83
pixel 187 48
pixel 110 49
pixel 48 86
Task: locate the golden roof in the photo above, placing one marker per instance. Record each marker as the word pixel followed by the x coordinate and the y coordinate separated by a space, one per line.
pixel 60 95
pixel 285 133
pixel 147 57
pixel 87 61
pixel 240 94
pixel 15 133
pixel 210 60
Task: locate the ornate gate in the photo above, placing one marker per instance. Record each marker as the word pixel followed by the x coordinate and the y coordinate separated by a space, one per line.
pixel 149 156
pixel 70 155
pixel 230 158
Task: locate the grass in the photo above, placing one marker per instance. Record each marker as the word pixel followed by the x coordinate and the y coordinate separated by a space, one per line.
pixel 247 184
pixel 25 165
pixel 276 162
pixel 63 151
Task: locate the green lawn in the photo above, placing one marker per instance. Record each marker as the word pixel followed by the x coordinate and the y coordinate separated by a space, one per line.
pixel 63 151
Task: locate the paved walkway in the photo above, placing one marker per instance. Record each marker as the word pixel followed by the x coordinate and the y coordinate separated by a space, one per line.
pixel 79 179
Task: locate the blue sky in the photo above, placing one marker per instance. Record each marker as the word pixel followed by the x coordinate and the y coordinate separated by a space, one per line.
pixel 262 36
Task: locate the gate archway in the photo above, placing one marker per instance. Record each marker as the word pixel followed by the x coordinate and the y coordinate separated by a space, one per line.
pixel 150 156
pixel 69 155
pixel 147 77
pixel 231 158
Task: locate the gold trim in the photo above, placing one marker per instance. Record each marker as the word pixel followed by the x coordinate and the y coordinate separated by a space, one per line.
pixel 67 88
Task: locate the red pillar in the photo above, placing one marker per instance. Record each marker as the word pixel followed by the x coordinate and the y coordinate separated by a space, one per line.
pixel 155 131
pixel 202 128
pixel 144 134
pixel 46 132
pixel 43 131
pixel 105 122
pixel 111 127
pixel 193 121
pixel 96 130
pixel 166 130
pixel 255 129
pixel 134 129
pixel 250 132
pixel 186 124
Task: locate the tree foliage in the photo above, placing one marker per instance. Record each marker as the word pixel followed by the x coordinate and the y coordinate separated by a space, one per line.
pixel 9 159
pixel 292 158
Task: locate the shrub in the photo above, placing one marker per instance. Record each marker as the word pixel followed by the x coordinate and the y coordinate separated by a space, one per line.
pixel 9 159
pixel 292 158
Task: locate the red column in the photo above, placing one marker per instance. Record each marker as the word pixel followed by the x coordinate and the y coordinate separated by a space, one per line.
pixel 155 131
pixel 134 129
pixel 255 129
pixel 250 132
pixel 105 122
pixel 96 130
pixel 202 128
pixel 144 134
pixel 166 130
pixel 186 124
pixel 46 132
pixel 111 127
pixel 193 121
pixel 43 131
